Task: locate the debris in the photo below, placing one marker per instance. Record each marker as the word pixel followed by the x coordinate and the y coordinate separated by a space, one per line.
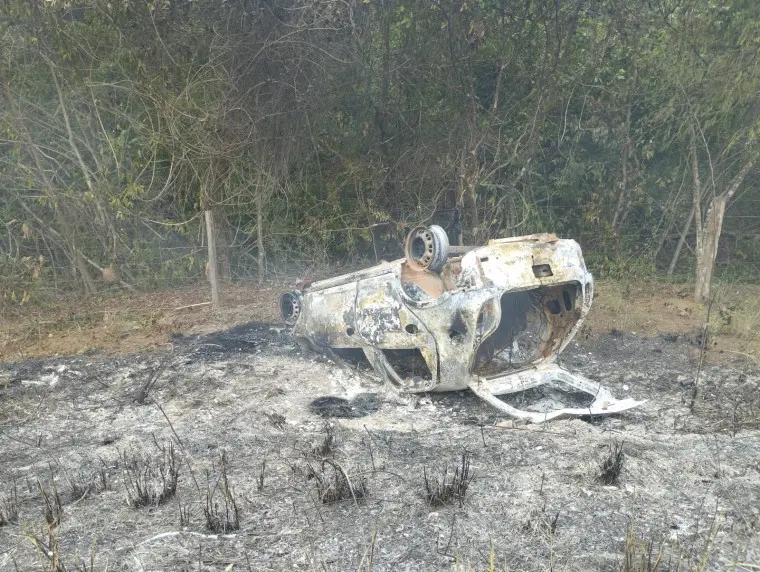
pixel 192 306
pixel 492 318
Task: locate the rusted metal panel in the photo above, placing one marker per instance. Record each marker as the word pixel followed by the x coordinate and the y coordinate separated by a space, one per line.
pixel 491 318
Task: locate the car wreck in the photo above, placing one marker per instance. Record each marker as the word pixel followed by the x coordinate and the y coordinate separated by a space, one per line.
pixel 493 319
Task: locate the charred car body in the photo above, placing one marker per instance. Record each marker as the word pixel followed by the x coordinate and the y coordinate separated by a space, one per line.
pixel 491 318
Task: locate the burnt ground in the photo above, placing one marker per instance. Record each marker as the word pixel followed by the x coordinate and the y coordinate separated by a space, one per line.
pixel 689 485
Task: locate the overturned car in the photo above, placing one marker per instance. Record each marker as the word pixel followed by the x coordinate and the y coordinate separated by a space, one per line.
pixel 492 318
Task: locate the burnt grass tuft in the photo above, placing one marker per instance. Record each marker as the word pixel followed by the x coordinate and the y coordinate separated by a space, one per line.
pixel 291 476
pixel 184 515
pixel 612 465
pixel 335 484
pixel 149 481
pixel 52 508
pixel 326 447
pixel 80 485
pixel 640 555
pixel 102 478
pixel 9 506
pixel 276 420
pixel 222 516
pixel 444 490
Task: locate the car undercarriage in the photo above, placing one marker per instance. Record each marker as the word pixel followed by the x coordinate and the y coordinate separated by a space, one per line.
pixel 493 319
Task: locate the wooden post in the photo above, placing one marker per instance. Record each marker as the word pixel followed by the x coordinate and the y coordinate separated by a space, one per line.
pixel 212 262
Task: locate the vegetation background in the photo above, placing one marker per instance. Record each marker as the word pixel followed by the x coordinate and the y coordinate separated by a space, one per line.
pixel 317 131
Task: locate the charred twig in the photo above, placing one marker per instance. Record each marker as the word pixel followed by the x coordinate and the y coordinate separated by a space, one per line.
pixel 260 480
pixel 142 395
pixel 451 533
pixel 182 446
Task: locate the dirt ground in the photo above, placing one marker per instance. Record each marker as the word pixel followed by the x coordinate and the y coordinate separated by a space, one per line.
pixel 232 382
pixel 127 323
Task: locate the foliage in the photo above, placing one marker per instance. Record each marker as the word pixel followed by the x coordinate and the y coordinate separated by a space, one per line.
pixel 318 131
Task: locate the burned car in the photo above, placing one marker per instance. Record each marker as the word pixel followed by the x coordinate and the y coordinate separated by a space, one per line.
pixel 492 318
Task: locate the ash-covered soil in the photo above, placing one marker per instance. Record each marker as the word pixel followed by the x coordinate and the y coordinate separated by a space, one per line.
pixel 285 418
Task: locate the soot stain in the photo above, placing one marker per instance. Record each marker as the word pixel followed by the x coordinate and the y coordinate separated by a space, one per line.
pixel 329 406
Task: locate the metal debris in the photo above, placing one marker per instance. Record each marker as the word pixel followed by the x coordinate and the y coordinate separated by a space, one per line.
pixel 493 318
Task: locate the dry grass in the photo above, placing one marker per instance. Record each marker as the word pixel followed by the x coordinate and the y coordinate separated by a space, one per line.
pixel 651 307
pixel 81 484
pixel 129 322
pixel 738 314
pixel 50 558
pixel 368 556
pixel 642 555
pixel 542 521
pixel 459 566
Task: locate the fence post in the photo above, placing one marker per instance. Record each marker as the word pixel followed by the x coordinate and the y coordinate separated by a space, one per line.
pixel 212 262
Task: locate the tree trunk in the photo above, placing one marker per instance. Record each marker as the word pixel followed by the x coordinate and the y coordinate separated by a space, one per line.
pixel 707 240
pixel 224 270
pixel 213 264
pixel 211 196
pixel 707 254
pixel 87 283
pixel 260 230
